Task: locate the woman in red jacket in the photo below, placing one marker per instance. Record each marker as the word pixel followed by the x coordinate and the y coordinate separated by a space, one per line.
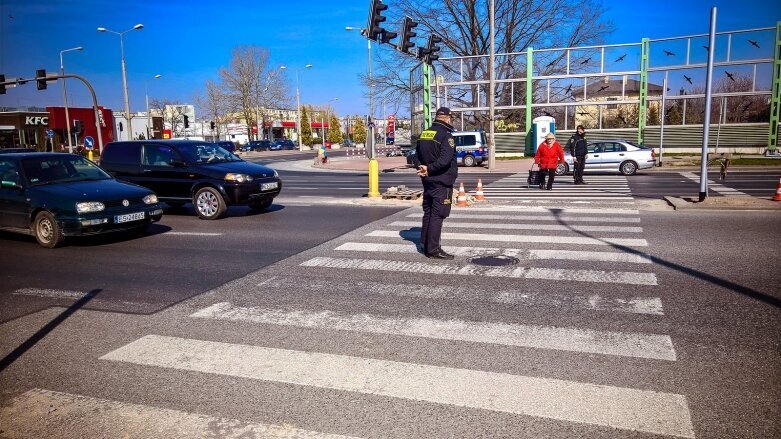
pixel 549 155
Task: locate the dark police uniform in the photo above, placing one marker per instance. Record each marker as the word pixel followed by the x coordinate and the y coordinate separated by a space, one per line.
pixel 578 149
pixel 436 150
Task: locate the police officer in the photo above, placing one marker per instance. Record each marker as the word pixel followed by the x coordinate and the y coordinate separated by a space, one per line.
pixel 578 149
pixel 438 168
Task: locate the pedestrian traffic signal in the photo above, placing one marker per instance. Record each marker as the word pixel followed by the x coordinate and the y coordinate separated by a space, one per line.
pixel 374 28
pixel 212 125
pixel 40 79
pixel 77 127
pixel 120 127
pixel 2 84
pixel 186 121
pixel 407 34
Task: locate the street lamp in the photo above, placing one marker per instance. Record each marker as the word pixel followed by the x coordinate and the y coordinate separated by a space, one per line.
pixel 124 70
pixel 298 108
pixel 65 97
pixel 149 116
pixel 364 32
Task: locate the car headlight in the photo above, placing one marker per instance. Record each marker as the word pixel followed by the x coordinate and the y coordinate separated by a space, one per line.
pixel 150 199
pixel 89 206
pixel 238 178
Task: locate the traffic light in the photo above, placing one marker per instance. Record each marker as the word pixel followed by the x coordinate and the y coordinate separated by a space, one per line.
pixel 432 47
pixel 407 34
pixel 186 121
pixel 212 125
pixel 2 85
pixel 40 79
pixel 77 127
pixel 375 29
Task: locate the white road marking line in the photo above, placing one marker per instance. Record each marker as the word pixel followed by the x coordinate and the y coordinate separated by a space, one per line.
pixel 593 219
pixel 193 233
pixel 714 186
pixel 631 242
pixel 567 300
pixel 624 344
pixel 54 294
pixel 39 413
pixel 570 210
pixel 495 251
pixel 551 198
pixel 622 277
pixel 519 226
pixel 616 407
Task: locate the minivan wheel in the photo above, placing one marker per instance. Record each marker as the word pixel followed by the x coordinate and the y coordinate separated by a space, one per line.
pixel 562 168
pixel 209 204
pixel 628 167
pixel 47 232
pixel 469 160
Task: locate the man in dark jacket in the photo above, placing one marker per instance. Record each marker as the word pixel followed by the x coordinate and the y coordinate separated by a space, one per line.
pixel 438 168
pixel 578 149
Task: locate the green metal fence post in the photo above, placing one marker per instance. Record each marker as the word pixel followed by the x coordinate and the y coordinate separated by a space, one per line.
pixel 775 99
pixel 643 106
pixel 427 94
pixel 529 89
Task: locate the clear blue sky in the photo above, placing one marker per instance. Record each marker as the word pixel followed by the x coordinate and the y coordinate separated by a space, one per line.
pixel 188 41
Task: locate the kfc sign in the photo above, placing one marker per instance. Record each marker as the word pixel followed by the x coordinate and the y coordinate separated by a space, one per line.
pixel 36 120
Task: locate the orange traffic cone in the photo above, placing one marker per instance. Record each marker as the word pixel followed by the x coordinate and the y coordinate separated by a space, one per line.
pixel 479 192
pixel 461 196
pixel 777 196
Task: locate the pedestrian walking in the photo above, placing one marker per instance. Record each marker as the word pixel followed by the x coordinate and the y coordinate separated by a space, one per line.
pixel 438 169
pixel 549 155
pixel 578 149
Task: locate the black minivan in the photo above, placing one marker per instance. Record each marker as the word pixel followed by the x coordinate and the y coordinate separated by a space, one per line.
pixel 181 171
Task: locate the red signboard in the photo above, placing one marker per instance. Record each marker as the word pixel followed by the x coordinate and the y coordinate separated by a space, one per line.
pixel 166 134
pixel 391 125
pixel 87 118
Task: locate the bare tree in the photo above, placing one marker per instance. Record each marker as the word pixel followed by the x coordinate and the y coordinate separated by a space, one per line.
pixel 249 83
pixel 172 111
pixel 464 28
pixel 213 104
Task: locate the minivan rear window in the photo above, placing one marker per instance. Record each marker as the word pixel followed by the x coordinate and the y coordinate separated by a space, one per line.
pixel 123 153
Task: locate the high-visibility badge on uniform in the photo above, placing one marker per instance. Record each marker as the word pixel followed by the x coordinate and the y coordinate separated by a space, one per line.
pixel 451 142
pixel 428 135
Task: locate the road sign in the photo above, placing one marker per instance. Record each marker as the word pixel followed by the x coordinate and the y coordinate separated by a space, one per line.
pixel 89 143
pixel 50 134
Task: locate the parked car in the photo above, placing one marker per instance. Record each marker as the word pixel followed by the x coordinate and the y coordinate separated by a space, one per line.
pixel 347 143
pixel 226 145
pixel 471 147
pixel 257 145
pixel 54 195
pixel 281 144
pixel 613 156
pixel 190 171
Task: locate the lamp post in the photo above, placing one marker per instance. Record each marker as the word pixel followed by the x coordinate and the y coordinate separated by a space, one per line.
pixel 65 97
pixel 124 70
pixel 364 32
pixel 298 108
pixel 149 129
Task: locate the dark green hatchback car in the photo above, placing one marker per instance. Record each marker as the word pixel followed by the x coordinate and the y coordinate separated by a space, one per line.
pixel 55 195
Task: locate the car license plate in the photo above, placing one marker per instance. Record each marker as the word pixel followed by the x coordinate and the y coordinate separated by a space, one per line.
pixel 129 217
pixel 268 186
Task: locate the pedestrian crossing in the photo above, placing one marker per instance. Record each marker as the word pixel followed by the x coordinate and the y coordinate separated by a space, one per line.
pixel 562 261
pixel 599 188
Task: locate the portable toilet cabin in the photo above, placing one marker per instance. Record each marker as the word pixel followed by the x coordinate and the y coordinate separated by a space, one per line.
pixel 541 126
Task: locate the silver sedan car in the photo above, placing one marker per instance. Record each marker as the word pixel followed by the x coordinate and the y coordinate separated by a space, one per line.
pixel 612 156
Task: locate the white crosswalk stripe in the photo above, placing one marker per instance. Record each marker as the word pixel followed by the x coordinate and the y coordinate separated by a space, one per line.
pixel 599 188
pixel 521 226
pixel 41 413
pixel 536 218
pixel 617 407
pixel 579 240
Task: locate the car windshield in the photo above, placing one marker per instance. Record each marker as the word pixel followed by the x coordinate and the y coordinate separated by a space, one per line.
pixel 61 169
pixel 206 153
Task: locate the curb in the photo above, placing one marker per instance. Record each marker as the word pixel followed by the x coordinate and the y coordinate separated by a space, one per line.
pixel 723 203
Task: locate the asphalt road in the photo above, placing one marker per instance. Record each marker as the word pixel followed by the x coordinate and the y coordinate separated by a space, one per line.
pixel 319 319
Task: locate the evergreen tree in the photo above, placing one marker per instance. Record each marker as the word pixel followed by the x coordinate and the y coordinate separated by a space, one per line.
pixel 306 129
pixel 334 130
pixel 359 130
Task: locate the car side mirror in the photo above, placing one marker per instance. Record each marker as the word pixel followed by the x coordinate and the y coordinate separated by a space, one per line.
pixel 177 163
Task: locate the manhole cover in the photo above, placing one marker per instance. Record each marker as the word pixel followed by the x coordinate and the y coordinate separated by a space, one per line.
pixel 494 261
